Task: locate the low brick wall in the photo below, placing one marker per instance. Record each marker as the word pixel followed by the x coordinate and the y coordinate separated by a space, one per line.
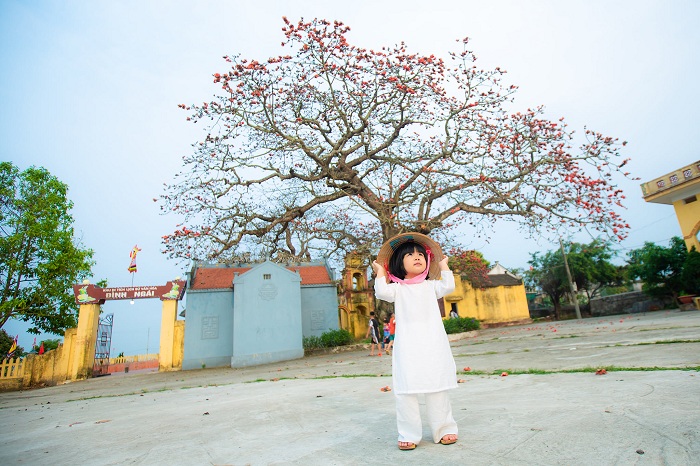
pixel 633 302
pixel 133 366
pixel 48 369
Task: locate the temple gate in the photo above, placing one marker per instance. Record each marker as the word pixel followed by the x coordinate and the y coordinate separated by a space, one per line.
pixel 90 297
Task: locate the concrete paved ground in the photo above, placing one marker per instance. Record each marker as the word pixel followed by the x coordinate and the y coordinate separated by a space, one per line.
pixel 329 409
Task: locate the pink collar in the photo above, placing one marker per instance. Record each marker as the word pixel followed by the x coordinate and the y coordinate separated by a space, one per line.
pixel 416 279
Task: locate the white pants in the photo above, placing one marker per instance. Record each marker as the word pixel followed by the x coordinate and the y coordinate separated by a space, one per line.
pixel 437 409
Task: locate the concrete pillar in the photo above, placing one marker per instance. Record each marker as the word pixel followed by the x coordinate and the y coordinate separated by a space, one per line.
pixel 688 214
pixel 167 336
pixel 84 342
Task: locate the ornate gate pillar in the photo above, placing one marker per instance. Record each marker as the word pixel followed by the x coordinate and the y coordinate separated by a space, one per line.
pixel 84 343
pixel 167 336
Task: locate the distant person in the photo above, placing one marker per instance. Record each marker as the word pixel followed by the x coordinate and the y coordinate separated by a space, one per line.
pixel 392 332
pixel 453 314
pixel 385 339
pixel 373 334
pixel 422 362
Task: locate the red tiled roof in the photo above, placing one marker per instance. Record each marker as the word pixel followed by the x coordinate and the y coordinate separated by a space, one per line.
pixel 312 274
pixel 222 277
pixel 215 277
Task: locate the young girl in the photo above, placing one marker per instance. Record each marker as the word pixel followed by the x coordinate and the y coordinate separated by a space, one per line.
pixel 422 359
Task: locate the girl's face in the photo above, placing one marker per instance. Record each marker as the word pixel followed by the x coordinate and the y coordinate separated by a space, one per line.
pixel 414 263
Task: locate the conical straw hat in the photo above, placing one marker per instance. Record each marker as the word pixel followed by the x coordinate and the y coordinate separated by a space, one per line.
pixel 388 248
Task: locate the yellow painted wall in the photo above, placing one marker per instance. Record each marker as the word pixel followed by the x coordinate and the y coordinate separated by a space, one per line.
pixel 178 344
pixel 68 350
pixel 167 336
pixel 358 324
pixel 497 305
pixel 689 221
pixel 48 369
pixel 45 369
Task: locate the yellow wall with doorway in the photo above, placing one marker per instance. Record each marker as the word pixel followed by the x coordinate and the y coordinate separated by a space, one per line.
pixel 493 305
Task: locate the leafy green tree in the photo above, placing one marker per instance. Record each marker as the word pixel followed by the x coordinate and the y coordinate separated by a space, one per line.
pixel 691 272
pixel 621 284
pixel 5 345
pixel 591 268
pixel 51 344
pixel 547 273
pixel 659 267
pixel 40 258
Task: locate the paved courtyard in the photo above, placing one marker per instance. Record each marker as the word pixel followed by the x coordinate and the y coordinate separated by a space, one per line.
pixel 551 408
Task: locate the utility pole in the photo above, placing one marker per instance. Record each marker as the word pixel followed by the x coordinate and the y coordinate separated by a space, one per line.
pixel 571 282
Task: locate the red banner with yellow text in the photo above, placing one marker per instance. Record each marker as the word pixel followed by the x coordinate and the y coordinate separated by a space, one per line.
pixel 91 294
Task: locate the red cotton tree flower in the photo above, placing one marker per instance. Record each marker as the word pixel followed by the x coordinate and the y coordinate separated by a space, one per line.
pixel 470 265
pixel 336 147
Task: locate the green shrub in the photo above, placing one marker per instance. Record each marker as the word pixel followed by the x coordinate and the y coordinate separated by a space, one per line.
pixel 461 324
pixel 312 342
pixel 328 339
pixel 691 272
pixel 337 337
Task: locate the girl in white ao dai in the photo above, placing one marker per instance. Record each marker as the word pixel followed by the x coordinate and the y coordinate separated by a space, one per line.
pixel 422 361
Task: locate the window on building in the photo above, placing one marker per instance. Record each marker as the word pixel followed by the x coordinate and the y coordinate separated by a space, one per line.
pixel 267 276
pixel 690 199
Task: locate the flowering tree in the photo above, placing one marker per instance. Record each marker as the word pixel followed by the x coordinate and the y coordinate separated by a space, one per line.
pixel 342 147
pixel 470 265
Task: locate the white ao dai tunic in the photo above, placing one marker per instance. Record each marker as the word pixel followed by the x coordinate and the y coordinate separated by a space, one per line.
pixel 422 359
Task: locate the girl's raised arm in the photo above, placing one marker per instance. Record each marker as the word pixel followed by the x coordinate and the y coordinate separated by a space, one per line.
pixel 378 269
pixel 443 264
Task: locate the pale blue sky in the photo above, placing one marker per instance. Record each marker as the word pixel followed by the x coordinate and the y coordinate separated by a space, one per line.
pixel 89 90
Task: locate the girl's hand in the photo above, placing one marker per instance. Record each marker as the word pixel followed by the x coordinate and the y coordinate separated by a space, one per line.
pixel 443 264
pixel 378 269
